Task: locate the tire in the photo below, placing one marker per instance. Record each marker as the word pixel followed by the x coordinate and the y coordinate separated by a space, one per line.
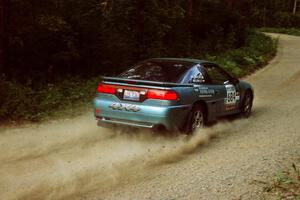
pixel 247 105
pixel 196 119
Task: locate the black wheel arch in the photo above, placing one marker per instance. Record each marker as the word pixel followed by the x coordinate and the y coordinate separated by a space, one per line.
pixel 204 105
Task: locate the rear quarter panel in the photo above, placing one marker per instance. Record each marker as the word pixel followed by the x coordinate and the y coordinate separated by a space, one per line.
pixel 191 95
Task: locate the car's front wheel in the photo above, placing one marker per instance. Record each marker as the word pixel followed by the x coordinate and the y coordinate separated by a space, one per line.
pixel 247 105
pixel 196 119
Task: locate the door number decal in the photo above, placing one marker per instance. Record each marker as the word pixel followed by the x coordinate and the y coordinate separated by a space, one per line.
pixel 232 97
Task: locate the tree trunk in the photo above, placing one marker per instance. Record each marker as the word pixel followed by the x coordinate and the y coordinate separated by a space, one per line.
pixel 3 32
pixel 191 8
pixel 189 18
pixel 295 6
pixel 231 5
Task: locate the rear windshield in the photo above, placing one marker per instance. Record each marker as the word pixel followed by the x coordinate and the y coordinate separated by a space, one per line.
pixel 158 70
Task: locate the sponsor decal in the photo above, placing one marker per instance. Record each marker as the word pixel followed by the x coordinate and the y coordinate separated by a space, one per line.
pixel 232 97
pixel 199 78
pixel 205 92
pixel 125 107
pixel 205 95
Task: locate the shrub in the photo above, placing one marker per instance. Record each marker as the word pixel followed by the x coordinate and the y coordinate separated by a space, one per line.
pixel 289 31
pixel 22 102
pixel 258 49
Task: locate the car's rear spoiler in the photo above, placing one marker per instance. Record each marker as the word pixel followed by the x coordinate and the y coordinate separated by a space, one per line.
pixel 143 82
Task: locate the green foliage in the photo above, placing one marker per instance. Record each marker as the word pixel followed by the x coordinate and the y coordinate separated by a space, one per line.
pixel 14 99
pixel 22 102
pixel 258 50
pixel 289 31
pixel 286 184
pixel 273 13
pixel 50 39
pixel 286 20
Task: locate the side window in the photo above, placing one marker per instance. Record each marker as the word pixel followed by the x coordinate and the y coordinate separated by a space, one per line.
pixel 215 75
pixel 194 75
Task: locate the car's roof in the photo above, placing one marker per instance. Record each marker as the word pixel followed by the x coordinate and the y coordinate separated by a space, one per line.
pixel 196 61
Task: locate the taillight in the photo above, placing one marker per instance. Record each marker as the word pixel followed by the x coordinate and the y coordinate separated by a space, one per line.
pixel 104 88
pixel 162 94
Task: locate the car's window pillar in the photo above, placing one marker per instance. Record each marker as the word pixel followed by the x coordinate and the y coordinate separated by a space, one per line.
pixel 207 79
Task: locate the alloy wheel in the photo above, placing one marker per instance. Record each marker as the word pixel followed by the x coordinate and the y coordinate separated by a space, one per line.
pixel 198 120
pixel 247 105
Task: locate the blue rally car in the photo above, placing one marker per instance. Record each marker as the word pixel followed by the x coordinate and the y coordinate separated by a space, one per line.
pixel 171 94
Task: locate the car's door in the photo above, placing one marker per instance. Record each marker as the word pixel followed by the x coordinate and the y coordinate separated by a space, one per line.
pixel 213 95
pixel 228 100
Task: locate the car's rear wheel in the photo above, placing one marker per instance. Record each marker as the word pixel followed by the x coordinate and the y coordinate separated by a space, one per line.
pixel 247 105
pixel 196 119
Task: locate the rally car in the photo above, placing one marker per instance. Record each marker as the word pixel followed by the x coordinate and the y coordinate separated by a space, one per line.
pixel 173 94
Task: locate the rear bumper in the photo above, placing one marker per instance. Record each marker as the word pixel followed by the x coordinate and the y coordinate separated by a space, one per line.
pixel 170 117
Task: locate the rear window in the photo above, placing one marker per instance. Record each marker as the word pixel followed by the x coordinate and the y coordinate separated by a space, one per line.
pixel 158 70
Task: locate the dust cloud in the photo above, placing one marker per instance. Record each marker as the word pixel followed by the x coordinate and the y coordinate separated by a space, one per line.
pixel 69 158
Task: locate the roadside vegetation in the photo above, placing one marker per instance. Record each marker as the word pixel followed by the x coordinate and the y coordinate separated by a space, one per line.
pixel 286 184
pixel 258 50
pixel 289 31
pixel 28 102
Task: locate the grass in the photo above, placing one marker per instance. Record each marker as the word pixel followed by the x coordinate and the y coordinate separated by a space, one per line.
pixel 32 101
pixel 289 31
pixel 25 102
pixel 286 184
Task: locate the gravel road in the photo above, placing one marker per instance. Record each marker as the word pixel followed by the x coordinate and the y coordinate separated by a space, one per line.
pixel 74 159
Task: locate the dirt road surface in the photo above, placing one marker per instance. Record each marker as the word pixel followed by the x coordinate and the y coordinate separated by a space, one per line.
pixel 74 159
